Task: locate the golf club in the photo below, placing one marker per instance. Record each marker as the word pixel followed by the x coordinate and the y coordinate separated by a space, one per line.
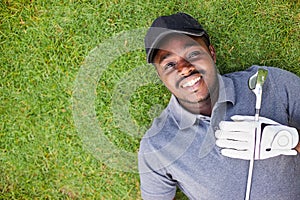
pixel 255 84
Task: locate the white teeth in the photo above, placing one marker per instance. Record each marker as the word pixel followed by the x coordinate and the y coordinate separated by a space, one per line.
pixel 192 82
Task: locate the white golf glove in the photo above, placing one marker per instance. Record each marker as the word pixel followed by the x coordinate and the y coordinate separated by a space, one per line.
pixel 245 138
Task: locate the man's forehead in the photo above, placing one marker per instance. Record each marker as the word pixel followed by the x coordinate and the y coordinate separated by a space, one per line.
pixel 169 44
pixel 176 38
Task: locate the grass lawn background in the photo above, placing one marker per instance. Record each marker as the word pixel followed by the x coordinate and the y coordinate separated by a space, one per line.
pixel 43 46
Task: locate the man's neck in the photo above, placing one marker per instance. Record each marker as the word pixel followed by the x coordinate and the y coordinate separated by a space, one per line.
pixel 203 107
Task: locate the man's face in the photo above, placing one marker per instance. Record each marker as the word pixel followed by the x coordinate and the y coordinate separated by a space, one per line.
pixel 187 68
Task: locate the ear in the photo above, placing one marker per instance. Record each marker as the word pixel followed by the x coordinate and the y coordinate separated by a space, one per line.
pixel 298 145
pixel 213 53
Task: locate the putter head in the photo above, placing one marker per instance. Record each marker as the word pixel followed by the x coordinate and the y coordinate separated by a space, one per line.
pixel 258 79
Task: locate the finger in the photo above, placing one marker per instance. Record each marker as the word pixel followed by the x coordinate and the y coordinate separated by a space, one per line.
pixel 289 152
pixel 245 155
pixel 236 126
pixel 283 152
pixel 231 144
pixel 240 136
pixel 238 118
pixel 242 118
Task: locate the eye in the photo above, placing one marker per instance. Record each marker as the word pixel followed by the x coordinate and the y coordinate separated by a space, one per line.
pixel 169 65
pixel 193 55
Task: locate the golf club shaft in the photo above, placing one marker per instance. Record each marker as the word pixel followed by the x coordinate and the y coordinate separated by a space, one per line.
pixel 256 117
pixel 251 163
pixel 249 180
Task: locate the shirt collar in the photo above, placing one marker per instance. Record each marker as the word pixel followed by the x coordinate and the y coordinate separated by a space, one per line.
pixel 226 92
pixel 186 119
pixel 183 118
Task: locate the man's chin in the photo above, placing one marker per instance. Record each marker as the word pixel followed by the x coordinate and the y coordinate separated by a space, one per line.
pixel 196 100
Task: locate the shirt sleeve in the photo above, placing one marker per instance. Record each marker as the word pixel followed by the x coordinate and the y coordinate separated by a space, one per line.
pixel 289 86
pixel 294 102
pixel 155 182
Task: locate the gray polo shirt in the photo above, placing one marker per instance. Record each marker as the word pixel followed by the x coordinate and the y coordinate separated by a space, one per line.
pixel 179 149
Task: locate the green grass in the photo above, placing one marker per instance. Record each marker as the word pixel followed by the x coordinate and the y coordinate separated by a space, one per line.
pixel 44 152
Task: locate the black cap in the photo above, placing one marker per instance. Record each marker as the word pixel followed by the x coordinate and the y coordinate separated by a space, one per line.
pixel 164 25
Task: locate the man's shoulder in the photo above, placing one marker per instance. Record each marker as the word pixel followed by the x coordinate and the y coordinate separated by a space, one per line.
pixel 274 73
pixel 254 68
pixel 160 132
pixel 246 72
pixel 158 123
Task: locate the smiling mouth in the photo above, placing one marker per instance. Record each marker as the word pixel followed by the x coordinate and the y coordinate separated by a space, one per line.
pixel 192 82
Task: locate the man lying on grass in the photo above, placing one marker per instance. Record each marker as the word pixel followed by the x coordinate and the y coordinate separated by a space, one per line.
pixel 203 141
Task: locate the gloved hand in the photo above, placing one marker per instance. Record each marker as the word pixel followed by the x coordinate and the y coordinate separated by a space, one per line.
pixel 244 138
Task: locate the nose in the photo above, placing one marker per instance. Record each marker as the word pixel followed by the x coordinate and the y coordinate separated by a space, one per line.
pixel 185 68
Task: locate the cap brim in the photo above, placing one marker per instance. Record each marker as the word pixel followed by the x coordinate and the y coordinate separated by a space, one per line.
pixel 158 39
